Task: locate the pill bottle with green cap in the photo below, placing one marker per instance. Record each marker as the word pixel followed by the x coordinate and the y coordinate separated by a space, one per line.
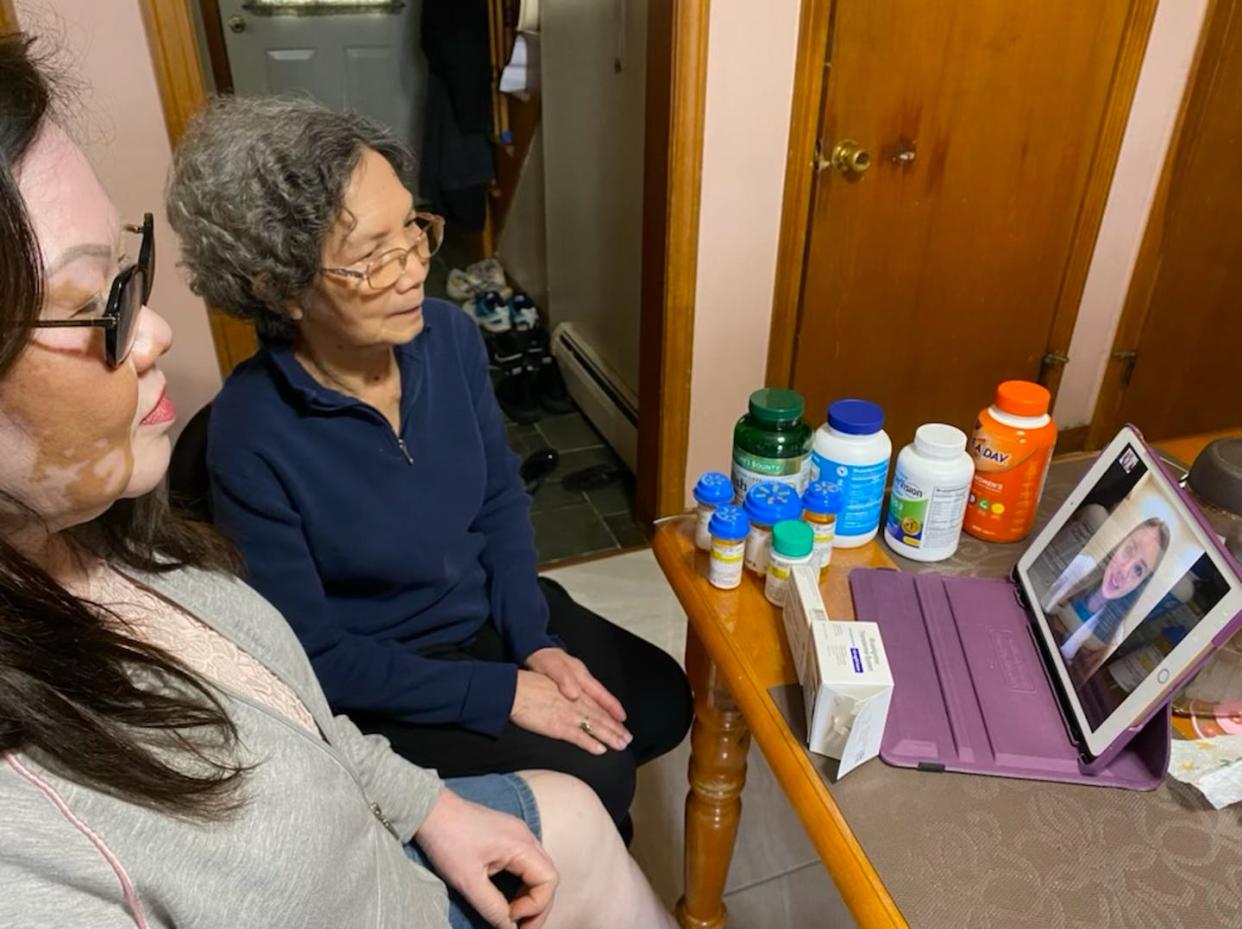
pixel 793 544
pixel 729 529
pixel 766 505
pixel 772 442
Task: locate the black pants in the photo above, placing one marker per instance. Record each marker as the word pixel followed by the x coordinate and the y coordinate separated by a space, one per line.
pixel 650 685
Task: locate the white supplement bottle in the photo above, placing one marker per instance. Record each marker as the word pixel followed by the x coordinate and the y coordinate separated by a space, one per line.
pixel 852 453
pixel 931 485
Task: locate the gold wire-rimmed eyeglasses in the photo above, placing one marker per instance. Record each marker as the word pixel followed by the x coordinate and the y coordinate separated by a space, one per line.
pixel 382 271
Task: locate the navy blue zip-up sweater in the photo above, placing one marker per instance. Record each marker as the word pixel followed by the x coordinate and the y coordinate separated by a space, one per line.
pixel 377 546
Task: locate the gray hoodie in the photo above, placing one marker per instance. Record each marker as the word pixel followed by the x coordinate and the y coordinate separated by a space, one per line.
pixel 318 842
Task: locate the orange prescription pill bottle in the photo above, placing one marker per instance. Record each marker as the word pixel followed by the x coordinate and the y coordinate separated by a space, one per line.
pixel 1011 448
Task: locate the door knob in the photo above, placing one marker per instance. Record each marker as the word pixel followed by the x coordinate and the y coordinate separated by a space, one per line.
pixel 236 24
pixel 850 158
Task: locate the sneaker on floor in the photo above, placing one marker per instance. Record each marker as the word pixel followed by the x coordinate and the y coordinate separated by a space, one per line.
pixel 462 287
pixel 550 388
pixel 516 395
pixel 522 311
pixel 490 312
pixel 506 351
pixel 491 275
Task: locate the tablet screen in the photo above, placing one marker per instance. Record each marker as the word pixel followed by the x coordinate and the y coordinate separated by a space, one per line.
pixel 1122 582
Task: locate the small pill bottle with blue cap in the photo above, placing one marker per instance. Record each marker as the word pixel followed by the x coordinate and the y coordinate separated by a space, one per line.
pixel 793 544
pixel 766 505
pixel 819 511
pixel 852 452
pixel 729 529
pixel 712 490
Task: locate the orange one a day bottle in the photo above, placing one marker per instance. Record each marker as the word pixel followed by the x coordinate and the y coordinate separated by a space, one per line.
pixel 1011 448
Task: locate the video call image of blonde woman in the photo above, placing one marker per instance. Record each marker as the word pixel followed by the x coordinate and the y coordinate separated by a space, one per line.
pixel 1122 583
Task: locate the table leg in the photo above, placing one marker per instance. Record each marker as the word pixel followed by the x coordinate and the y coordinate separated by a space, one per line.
pixel 718 745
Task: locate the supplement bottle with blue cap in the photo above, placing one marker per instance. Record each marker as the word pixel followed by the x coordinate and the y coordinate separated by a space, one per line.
pixel 852 453
pixel 766 505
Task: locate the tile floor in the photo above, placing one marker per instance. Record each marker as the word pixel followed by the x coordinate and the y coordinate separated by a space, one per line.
pixel 570 524
pixel 567 524
pixel 776 880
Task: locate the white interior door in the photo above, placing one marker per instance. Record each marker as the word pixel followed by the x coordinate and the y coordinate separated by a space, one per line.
pixel 361 56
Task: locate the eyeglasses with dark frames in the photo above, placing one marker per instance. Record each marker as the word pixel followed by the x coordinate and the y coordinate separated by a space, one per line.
pixel 130 292
pixel 383 271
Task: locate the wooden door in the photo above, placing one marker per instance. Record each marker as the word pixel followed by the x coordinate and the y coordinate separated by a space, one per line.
pixel 938 272
pixel 1183 317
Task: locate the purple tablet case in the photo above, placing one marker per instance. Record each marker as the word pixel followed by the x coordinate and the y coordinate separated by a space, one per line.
pixel 973 692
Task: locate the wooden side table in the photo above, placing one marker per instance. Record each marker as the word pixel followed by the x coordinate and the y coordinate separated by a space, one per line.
pixel 736 651
pixel 736 655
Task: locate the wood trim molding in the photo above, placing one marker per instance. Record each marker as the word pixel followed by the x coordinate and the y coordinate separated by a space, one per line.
pixel 217 50
pixel 8 17
pixel 1218 19
pixel 174 53
pixel 179 77
pixel 673 161
pixel 1099 184
pixel 810 78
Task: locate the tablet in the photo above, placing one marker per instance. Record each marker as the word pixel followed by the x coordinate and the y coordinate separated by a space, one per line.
pixel 1128 591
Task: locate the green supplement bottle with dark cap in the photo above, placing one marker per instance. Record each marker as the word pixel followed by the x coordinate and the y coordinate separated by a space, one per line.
pixel 772 442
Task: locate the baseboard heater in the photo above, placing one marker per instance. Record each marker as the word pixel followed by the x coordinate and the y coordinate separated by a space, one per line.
pixel 611 407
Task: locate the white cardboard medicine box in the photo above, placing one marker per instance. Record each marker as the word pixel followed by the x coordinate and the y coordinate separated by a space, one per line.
pixel 844 673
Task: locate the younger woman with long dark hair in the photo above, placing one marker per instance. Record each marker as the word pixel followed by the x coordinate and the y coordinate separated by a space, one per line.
pixel 167 757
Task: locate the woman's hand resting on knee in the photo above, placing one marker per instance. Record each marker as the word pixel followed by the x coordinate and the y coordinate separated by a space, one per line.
pixel 559 698
pixel 467 844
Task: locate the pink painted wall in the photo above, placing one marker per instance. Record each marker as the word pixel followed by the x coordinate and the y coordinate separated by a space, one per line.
pixel 749 91
pixel 117 119
pixel 750 69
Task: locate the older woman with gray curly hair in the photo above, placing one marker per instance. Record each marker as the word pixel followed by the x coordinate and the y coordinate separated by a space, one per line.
pixel 361 464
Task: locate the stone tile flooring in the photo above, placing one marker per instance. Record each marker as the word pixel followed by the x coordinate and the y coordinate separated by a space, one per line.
pixel 567 524
pixel 570 524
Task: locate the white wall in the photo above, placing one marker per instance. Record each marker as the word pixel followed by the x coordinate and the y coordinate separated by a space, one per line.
pixel 593 171
pixel 749 93
pixel 117 119
pixel 522 246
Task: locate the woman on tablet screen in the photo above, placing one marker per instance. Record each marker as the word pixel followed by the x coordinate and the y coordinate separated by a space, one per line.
pixel 1091 599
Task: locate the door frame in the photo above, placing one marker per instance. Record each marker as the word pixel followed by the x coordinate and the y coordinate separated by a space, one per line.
pixel 1105 418
pixel 673 156
pixel 8 16
pixel 815 36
